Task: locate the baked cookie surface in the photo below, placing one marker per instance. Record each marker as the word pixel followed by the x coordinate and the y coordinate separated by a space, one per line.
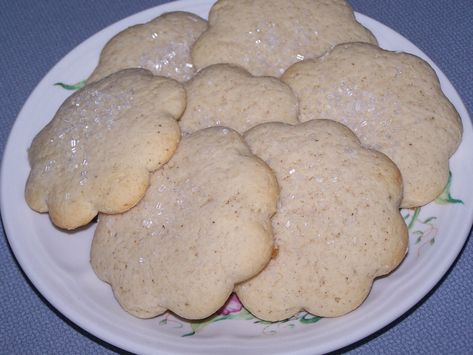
pixel 97 152
pixel 394 104
pixel 227 95
pixel 337 226
pixel 203 226
pixel 161 45
pixel 267 36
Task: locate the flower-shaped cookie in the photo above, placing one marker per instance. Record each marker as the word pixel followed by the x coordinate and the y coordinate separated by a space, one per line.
pixel 162 46
pixel 394 104
pixel 97 152
pixel 202 227
pixel 227 95
pixel 337 226
pixel 267 36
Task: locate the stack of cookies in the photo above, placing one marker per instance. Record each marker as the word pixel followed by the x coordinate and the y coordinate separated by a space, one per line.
pixel 266 152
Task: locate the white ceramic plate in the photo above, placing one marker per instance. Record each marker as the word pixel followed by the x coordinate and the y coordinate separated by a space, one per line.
pixel 58 262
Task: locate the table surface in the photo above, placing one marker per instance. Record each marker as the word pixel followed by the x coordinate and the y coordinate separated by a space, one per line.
pixel 35 35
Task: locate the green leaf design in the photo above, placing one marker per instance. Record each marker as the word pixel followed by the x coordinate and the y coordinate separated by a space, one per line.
pixel 75 86
pixel 414 218
pixel 264 322
pixel 309 319
pixel 429 220
pixel 188 334
pixel 197 326
pixel 445 197
pixel 243 314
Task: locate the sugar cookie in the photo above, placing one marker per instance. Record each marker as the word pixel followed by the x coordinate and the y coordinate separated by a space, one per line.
pixel 97 152
pixel 227 95
pixel 337 226
pixel 162 46
pixel 203 226
pixel 393 102
pixel 267 36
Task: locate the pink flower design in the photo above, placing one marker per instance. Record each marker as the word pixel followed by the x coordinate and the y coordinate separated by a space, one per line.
pixel 233 305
